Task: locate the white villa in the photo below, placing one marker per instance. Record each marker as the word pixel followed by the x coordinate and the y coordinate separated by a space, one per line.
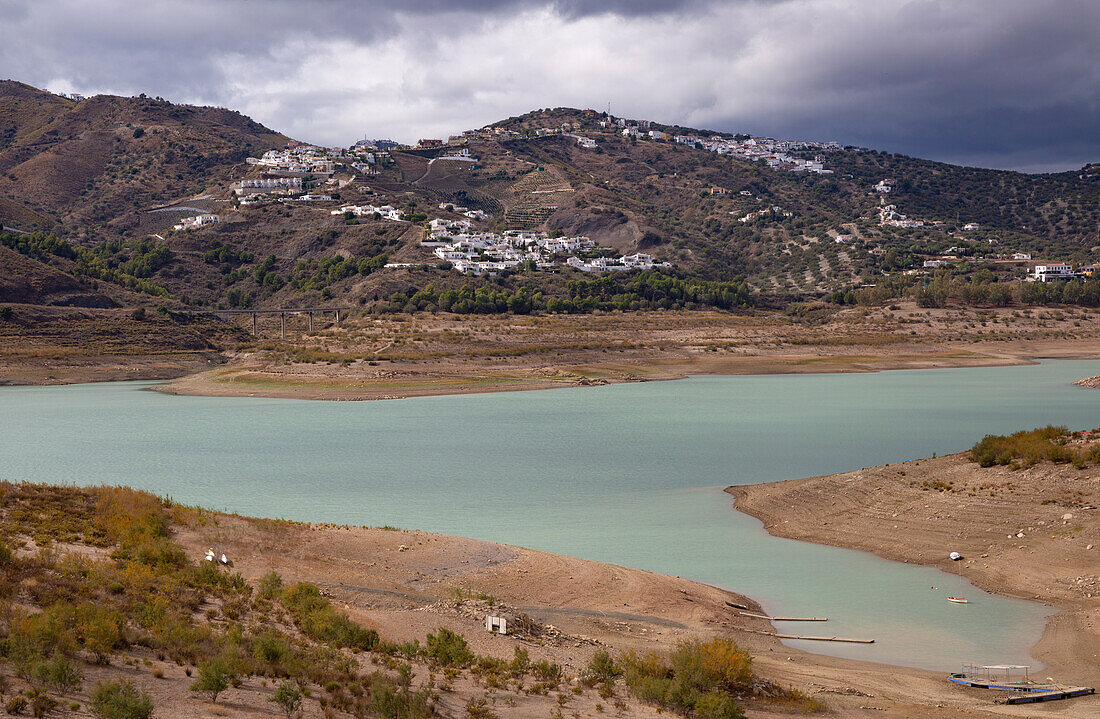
pixel 1046 273
pixel 190 223
pixel 388 212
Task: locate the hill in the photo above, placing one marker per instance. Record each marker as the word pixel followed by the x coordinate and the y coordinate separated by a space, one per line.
pixel 112 175
pixel 86 168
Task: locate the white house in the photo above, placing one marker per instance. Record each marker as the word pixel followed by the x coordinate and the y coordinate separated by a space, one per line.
pixel 189 223
pixel 1021 256
pixel 971 226
pixel 1046 273
pixel 934 264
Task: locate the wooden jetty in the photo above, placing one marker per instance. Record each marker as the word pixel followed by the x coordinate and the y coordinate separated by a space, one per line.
pixel 784 619
pixel 847 640
pixel 1031 697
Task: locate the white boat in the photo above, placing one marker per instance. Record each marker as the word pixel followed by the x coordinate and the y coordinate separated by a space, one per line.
pixel 957 600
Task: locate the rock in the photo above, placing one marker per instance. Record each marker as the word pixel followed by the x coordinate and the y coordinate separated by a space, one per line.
pixel 1019 534
pixel 1089 547
pixel 1067 516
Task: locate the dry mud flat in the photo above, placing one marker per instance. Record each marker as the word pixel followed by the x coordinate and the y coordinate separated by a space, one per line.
pixel 1031 533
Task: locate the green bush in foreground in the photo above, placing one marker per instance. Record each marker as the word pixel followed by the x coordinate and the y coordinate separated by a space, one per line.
pixel 699 677
pixel 115 700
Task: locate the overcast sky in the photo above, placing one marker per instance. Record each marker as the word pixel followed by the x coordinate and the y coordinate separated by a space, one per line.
pixel 995 83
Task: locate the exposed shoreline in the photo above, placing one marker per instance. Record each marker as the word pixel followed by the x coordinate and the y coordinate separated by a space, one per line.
pixel 400 356
pixel 1052 561
pixel 403 583
pixel 301 383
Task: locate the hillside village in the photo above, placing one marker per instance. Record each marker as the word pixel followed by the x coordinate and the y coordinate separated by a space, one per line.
pixel 469 246
pixel 542 199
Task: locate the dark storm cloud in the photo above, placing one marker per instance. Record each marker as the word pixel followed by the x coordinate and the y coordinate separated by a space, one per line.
pixel 1008 83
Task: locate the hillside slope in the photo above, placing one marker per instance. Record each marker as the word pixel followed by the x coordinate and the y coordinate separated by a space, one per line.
pixel 112 175
pixel 88 167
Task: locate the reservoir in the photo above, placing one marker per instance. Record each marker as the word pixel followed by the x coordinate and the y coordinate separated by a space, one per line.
pixel 630 474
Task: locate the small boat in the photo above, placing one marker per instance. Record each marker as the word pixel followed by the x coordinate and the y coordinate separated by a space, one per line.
pixel 957 600
pixel 955 556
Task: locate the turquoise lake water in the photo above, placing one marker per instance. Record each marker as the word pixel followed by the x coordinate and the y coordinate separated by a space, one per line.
pixel 628 473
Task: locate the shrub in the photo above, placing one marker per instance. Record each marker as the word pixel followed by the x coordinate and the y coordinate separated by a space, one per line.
pixel 271 650
pixel 601 668
pixel 214 678
pixel 42 704
pixel 699 677
pixel 114 700
pixel 716 705
pixel 15 705
pixel 314 615
pixel 1028 446
pixel 100 631
pixel 546 671
pixel 6 313
pixel 447 648
pixel 270 585
pixel 60 674
pixel 288 698
pixel 478 708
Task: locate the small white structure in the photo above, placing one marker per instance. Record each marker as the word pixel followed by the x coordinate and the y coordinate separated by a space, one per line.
pixel 1060 271
pixel 934 264
pixel 1021 256
pixel 971 226
pixel 189 223
pixel 499 625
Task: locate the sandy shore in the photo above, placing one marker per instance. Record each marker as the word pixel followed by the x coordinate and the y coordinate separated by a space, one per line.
pixel 405 583
pixel 1029 533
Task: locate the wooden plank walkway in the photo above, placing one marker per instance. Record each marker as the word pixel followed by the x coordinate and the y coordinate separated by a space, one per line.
pixel 1049 696
pixel 847 640
pixel 784 619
